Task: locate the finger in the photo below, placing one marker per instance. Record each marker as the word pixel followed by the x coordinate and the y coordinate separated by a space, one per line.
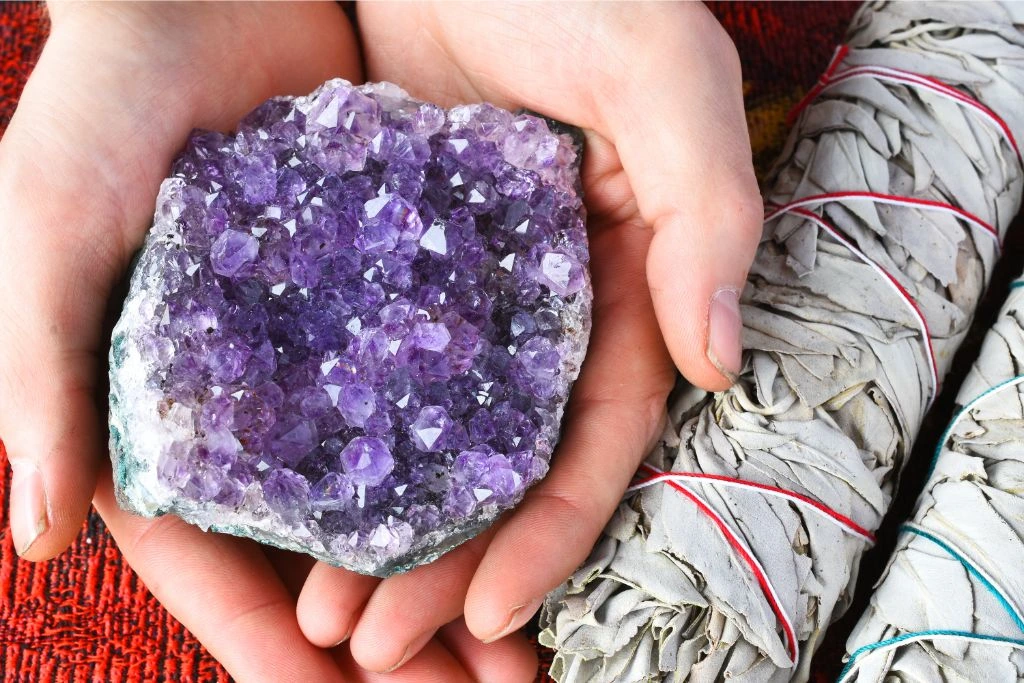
pixel 510 660
pixel 222 589
pixel 292 568
pixel 616 411
pixel 406 610
pixel 51 306
pixel 330 603
pixel 683 141
pixel 433 664
pixel 54 281
pixel 677 124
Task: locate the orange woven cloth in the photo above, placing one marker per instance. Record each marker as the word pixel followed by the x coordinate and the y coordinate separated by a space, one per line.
pixel 85 616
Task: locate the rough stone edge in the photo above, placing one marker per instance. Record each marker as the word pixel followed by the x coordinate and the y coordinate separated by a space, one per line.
pixel 136 488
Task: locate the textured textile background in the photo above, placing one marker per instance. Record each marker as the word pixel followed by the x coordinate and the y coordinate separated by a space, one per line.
pixel 86 617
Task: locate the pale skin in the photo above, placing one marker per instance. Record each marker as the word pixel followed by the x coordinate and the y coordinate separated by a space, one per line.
pixel 674 218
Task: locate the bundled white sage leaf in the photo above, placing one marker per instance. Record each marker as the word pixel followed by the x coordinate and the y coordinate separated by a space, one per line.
pixel 950 604
pixel 738 576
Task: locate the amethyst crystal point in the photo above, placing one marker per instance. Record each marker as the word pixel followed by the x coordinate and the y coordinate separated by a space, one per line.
pixel 354 325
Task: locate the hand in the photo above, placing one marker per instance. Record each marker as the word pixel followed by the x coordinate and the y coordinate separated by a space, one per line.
pixel 113 97
pixel 674 220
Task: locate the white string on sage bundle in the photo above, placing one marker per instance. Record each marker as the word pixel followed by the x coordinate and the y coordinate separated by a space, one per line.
pixel 886 210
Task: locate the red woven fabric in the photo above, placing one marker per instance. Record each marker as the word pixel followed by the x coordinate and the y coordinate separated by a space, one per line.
pixel 85 616
pixel 23 29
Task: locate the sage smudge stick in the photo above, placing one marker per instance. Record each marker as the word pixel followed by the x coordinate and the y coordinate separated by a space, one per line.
pixel 949 604
pixel 854 308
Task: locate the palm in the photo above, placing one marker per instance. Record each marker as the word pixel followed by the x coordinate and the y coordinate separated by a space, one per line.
pixel 116 91
pixel 617 404
pixel 118 88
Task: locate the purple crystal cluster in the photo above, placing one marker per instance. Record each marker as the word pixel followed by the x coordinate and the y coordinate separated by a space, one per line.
pixel 354 325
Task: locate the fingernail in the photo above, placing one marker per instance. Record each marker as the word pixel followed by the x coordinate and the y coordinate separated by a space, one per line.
pixel 517 617
pixel 28 506
pixel 724 328
pixel 343 639
pixel 412 650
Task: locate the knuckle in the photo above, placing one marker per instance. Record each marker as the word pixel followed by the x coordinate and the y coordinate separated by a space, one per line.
pixel 653 412
pixel 742 214
pixel 713 39
pixel 577 515
pixel 725 50
pixel 562 503
pixel 254 617
pixel 21 383
pixel 647 34
pixel 635 417
pixel 692 26
pixel 149 539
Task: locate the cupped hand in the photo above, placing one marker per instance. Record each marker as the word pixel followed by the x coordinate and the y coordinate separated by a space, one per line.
pixel 674 220
pixel 112 99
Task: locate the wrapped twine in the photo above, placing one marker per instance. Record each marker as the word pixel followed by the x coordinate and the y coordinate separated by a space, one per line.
pixel 895 186
pixel 950 604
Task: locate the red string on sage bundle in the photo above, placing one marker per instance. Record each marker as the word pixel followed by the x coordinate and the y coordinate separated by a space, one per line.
pixel 797 206
pixel 746 554
pixel 655 476
pixel 648 475
pixel 926 336
pixel 677 480
pixel 896 200
pixel 832 77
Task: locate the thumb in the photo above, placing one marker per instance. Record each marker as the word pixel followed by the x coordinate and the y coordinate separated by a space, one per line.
pixel 684 145
pixel 58 257
pixel 50 313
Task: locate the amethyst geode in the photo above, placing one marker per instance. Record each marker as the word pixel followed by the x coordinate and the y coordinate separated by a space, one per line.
pixel 354 325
